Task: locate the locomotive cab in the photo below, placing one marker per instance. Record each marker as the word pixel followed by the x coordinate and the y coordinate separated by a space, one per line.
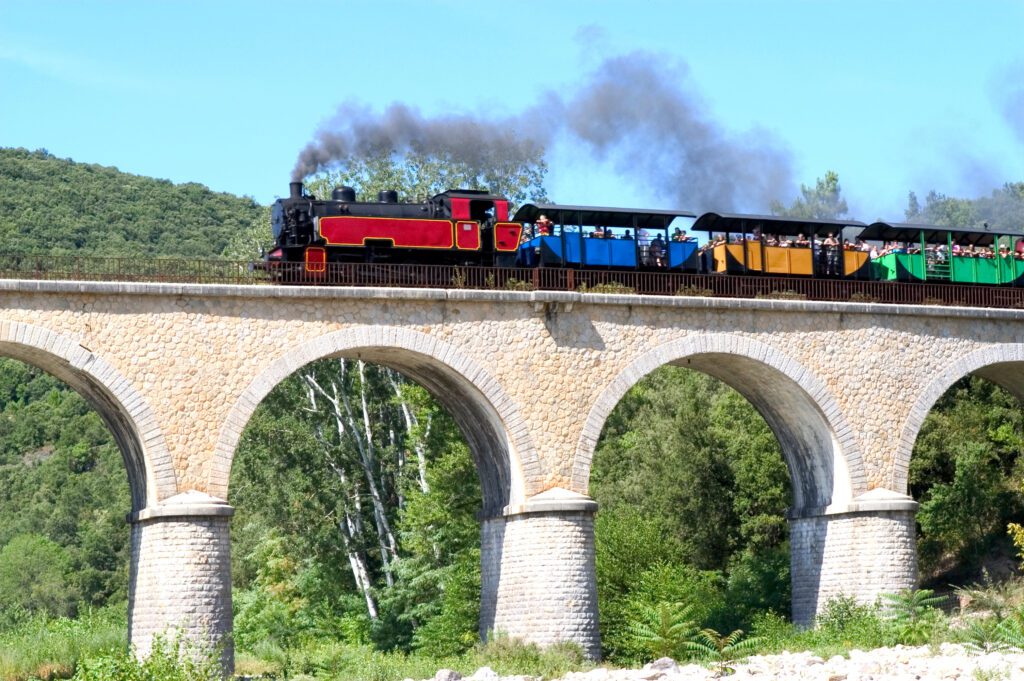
pixel 481 224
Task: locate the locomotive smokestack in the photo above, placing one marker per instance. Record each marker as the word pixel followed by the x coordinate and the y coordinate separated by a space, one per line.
pixel 295 190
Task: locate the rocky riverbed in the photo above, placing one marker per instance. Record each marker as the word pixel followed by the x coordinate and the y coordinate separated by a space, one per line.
pixel 948 663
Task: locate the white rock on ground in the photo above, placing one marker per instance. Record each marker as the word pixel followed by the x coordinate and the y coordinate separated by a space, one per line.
pixel 903 663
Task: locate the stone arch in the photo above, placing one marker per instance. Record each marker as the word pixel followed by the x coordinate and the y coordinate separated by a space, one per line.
pixel 1003 364
pixel 151 474
pixel 505 457
pixel 819 446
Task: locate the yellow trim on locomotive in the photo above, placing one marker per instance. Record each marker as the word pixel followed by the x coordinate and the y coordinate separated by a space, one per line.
pixel 519 236
pixel 318 267
pixel 479 236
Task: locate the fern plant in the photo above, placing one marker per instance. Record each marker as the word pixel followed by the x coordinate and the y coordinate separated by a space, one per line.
pixel 721 650
pixel 1010 631
pixel 664 629
pixel 913 614
pixel 982 637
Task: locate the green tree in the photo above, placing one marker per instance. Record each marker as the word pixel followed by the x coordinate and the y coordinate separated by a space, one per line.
pixel 371 479
pixel 823 201
pixel 364 469
pixel 417 176
pixel 1002 210
pixel 966 472
pixel 940 209
pixel 692 489
pixel 34 576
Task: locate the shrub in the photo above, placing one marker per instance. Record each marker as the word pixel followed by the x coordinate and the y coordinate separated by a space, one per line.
pixel 613 287
pixel 685 588
pixel 989 596
pixel 510 656
pixel 722 649
pixel 914 615
pixel 663 630
pixel 513 284
pixel 773 629
pixel 757 582
pixel 1010 631
pixel 694 290
pixel 34 576
pixel 167 661
pixel 453 630
pixel 44 648
pixel 787 294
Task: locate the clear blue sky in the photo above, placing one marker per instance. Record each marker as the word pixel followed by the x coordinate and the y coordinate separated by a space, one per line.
pixel 892 95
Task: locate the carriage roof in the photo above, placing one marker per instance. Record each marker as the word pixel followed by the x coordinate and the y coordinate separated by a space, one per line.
pixel 905 231
pixel 769 224
pixel 598 216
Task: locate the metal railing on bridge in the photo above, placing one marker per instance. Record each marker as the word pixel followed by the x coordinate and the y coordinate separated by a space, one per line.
pixel 74 268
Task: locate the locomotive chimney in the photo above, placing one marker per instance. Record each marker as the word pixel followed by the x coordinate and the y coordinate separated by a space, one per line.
pixel 295 189
pixel 387 196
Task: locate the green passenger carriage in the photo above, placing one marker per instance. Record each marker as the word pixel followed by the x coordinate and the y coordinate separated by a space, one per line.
pixel 964 255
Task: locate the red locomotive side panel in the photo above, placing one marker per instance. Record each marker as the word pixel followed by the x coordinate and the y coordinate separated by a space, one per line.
pixel 467 236
pixel 460 209
pixel 316 260
pixel 506 236
pixel 347 230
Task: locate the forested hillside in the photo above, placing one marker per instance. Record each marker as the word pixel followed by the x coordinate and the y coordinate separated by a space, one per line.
pixel 53 205
pixel 355 494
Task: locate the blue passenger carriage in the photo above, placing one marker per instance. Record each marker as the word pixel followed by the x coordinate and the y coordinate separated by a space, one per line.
pixel 597 238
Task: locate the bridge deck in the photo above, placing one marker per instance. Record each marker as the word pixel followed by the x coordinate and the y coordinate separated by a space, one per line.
pixel 70 268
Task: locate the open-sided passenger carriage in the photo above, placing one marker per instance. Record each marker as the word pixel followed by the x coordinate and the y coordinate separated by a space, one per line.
pixel 933 253
pixel 752 254
pixel 626 240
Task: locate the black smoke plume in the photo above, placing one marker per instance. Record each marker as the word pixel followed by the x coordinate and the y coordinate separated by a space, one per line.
pixel 1012 96
pixel 635 111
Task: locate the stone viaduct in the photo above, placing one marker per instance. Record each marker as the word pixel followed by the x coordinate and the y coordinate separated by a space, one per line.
pixel 176 371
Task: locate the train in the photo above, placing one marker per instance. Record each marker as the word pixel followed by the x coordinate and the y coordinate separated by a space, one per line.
pixel 475 228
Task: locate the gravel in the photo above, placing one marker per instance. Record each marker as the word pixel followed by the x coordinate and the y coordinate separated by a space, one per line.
pixel 949 662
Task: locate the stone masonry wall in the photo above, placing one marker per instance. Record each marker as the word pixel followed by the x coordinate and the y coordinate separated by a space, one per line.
pixel 177 370
pixel 181 581
pixel 190 353
pixel 538 579
pixel 861 555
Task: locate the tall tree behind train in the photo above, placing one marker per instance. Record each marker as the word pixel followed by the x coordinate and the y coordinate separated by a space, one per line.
pixel 1002 209
pixel 365 474
pixel 823 201
pixel 418 176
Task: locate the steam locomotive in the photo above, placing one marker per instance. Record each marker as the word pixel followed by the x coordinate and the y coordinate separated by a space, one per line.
pixel 455 227
pixel 468 227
